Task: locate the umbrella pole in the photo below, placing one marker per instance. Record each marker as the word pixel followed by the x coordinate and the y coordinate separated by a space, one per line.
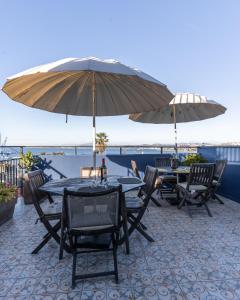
pixel 175 130
pixel 94 121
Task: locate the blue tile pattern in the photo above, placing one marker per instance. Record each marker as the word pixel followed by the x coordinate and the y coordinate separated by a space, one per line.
pixel 196 258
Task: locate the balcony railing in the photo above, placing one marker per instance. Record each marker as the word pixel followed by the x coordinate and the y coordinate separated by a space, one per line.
pixel 9 171
pixel 10 151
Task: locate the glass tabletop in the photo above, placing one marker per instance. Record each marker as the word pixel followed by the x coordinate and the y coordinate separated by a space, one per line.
pixel 77 184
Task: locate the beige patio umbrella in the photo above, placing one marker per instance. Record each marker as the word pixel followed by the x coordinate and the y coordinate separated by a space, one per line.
pixel 88 87
pixel 184 107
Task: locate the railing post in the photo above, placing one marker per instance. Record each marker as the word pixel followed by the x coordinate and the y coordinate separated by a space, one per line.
pixel 161 149
pixel 75 150
pixel 120 150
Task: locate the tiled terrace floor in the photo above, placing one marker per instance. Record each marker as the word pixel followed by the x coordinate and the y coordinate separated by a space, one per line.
pixel 195 258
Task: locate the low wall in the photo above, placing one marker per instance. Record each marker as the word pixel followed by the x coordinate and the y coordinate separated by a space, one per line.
pixel 230 186
pixel 69 166
pixel 57 166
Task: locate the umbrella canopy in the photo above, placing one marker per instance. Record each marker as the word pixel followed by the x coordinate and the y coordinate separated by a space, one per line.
pixel 184 107
pixel 188 108
pixel 88 87
pixel 66 86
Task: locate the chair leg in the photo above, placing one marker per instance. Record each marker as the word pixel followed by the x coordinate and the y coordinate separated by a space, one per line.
pixel 141 224
pixel 135 225
pixel 47 237
pixel 156 202
pixel 54 233
pixel 62 239
pixel 74 265
pixel 207 209
pixel 182 202
pixel 125 226
pixel 115 243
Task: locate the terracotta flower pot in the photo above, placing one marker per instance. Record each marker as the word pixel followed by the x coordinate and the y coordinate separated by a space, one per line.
pixel 7 210
pixel 27 196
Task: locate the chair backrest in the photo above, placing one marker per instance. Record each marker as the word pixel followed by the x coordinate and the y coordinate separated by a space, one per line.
pixel 90 172
pixel 36 180
pixel 201 174
pixel 162 162
pixel 95 210
pixel 150 177
pixel 219 169
pixel 135 169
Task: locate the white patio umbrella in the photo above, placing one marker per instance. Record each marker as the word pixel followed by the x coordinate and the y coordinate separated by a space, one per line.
pixel 184 107
pixel 88 87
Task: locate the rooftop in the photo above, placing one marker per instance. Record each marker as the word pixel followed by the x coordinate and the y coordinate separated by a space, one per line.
pixel 194 258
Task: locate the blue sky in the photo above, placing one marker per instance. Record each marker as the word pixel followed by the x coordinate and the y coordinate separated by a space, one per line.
pixel 192 46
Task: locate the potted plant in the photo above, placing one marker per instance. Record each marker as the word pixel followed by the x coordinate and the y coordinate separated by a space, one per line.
pixel 101 142
pixel 8 199
pixel 27 163
pixel 193 158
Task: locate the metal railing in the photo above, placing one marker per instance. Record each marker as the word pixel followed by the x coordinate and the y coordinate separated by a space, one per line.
pixel 86 150
pixel 9 171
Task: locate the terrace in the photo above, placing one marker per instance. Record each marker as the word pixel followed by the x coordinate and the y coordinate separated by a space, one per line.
pixel 191 258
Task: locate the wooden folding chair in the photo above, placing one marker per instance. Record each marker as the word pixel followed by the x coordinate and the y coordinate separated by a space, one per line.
pixel 217 179
pixel 196 190
pixel 136 206
pixel 52 212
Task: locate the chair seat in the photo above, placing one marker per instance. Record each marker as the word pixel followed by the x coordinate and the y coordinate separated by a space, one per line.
pixel 53 208
pixel 133 202
pixel 193 187
pixel 94 241
pixel 98 220
pixel 168 177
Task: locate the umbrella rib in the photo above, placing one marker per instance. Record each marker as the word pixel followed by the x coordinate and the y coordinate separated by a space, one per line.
pixel 152 89
pixel 103 78
pixel 70 85
pixel 81 89
pixel 148 88
pixel 78 77
pixel 120 88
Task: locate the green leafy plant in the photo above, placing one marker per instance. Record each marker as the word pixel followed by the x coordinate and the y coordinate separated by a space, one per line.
pixel 101 141
pixel 7 192
pixel 27 161
pixel 194 158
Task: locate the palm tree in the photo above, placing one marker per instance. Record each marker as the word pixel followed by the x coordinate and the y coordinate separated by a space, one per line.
pixel 101 142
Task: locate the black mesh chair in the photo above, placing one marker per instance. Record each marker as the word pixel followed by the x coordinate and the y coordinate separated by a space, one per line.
pixel 91 220
pixel 47 214
pixel 136 206
pixel 217 179
pixel 196 190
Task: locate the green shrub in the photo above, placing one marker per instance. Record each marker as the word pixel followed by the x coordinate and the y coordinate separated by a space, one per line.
pixel 27 161
pixel 193 158
pixel 7 192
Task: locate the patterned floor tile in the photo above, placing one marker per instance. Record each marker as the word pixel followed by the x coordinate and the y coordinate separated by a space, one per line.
pixel 196 258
